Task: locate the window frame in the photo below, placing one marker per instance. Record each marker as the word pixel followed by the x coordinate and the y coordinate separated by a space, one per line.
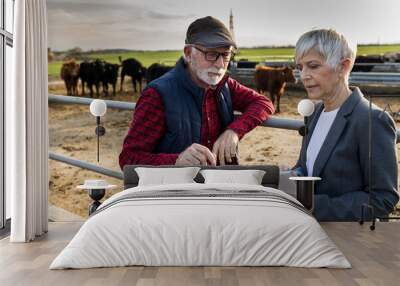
pixel 6 39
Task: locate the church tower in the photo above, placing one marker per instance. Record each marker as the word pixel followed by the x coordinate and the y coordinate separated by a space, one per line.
pixel 231 26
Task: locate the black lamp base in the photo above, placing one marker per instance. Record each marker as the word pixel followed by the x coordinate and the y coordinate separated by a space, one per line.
pixel 365 207
pixel 305 193
pixel 96 195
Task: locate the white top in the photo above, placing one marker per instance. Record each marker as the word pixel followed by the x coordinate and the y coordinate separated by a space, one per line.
pixel 318 137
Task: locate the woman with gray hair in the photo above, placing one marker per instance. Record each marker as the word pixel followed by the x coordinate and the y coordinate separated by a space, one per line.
pixel 336 146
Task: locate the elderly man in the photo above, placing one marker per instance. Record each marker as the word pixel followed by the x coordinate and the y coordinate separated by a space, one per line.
pixel 186 116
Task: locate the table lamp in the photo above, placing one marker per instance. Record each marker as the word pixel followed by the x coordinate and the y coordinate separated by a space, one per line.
pixel 305 109
pixel 98 108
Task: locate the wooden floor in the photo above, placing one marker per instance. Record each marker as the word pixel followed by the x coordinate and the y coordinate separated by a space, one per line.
pixel 375 256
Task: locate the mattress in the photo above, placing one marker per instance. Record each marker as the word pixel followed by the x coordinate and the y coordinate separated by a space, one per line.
pixel 201 225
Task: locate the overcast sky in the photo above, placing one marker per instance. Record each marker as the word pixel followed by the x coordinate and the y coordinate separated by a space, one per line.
pixel 162 24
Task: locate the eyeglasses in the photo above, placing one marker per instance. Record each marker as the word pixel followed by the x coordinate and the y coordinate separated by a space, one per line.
pixel 213 56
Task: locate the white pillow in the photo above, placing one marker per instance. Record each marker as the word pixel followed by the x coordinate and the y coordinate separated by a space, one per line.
pixel 249 177
pixel 164 176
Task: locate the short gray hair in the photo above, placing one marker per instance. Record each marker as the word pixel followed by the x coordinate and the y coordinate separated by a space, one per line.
pixel 330 44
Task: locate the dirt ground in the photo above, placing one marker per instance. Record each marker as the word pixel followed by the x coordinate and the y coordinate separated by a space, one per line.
pixel 71 132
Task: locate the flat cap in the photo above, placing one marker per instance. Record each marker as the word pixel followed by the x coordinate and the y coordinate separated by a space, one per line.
pixel 209 32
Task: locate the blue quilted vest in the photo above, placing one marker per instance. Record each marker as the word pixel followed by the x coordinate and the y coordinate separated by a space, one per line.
pixel 183 101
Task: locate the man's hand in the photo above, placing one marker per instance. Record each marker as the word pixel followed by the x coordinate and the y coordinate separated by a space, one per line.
pixel 226 147
pixel 196 154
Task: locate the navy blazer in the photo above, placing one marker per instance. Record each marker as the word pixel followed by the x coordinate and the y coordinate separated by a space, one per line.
pixel 342 162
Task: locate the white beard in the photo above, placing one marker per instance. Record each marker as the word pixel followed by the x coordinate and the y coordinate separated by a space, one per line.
pixel 204 76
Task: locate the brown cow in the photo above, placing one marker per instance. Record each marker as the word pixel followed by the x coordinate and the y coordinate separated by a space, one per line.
pixel 70 74
pixel 273 81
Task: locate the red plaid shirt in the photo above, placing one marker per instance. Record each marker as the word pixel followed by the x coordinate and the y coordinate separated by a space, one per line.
pixel 148 123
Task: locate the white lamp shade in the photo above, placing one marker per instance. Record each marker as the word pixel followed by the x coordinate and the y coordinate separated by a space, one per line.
pixel 305 107
pixel 98 107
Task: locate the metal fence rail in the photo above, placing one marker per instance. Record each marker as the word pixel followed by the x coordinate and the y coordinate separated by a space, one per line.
pixel 86 101
pixel 375 78
pixel 273 122
pixel 279 61
pixel 85 165
pixel 284 123
pixel 246 77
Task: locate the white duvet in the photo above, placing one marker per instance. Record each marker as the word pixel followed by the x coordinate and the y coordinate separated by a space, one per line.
pixel 266 229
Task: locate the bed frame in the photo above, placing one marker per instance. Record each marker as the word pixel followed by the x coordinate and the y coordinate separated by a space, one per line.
pixel 270 179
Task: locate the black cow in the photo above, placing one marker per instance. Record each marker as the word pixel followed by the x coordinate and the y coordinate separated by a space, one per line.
pixel 247 64
pixel 91 73
pixel 156 70
pixel 134 69
pixel 110 76
pixel 367 62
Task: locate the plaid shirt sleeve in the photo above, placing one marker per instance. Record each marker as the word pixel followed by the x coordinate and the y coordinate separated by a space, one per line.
pixel 255 108
pixel 145 130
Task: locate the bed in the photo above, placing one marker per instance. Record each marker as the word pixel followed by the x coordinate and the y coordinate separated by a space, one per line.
pixel 201 224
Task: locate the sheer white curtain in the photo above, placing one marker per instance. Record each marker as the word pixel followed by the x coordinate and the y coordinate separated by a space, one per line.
pixel 26 123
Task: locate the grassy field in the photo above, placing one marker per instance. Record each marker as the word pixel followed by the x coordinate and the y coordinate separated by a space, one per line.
pixel 253 54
